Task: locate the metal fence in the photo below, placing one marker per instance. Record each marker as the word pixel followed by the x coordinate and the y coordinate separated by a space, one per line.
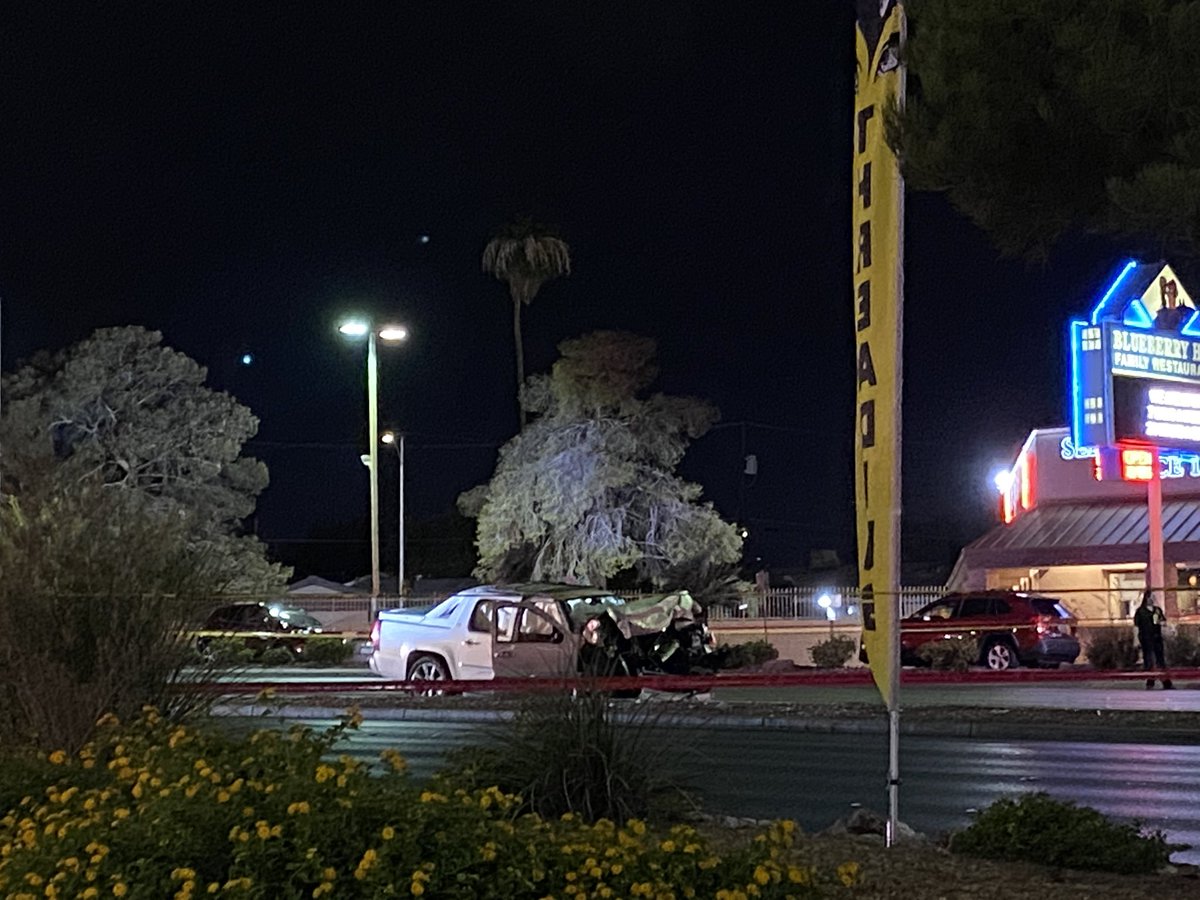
pixel 835 604
pixel 797 603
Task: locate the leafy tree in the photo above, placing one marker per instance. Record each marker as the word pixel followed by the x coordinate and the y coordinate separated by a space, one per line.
pixel 588 491
pixel 121 410
pixel 1037 119
pixel 525 255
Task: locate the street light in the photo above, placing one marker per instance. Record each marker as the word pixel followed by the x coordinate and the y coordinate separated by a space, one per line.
pixel 357 328
pixel 396 442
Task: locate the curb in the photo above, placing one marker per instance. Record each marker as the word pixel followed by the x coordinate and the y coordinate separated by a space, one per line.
pixel 1024 731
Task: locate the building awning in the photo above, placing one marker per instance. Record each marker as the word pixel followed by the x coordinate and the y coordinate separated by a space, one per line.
pixel 1083 534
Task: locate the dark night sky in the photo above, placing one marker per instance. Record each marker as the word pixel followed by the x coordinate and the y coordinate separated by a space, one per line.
pixel 237 178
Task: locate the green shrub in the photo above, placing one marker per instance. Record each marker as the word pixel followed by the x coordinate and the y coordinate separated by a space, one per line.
pixel 1035 828
pixel 952 654
pixel 833 653
pixel 566 752
pixel 1112 648
pixel 1183 647
pixel 153 810
pixel 277 656
pixel 109 587
pixel 751 653
pixel 327 651
pixel 224 652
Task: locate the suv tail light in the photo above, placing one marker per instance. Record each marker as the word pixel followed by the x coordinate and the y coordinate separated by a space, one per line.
pixel 375 635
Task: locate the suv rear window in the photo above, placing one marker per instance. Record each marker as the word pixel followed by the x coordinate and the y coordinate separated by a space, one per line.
pixel 1044 606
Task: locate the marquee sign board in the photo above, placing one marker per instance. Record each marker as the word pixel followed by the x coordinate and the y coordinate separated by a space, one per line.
pixel 1135 364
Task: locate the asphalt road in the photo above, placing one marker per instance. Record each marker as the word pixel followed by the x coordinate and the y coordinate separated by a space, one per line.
pixel 815 778
pixel 1114 695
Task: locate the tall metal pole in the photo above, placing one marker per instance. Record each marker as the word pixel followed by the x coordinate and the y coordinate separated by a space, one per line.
pixel 373 425
pixel 400 517
pixel 1155 571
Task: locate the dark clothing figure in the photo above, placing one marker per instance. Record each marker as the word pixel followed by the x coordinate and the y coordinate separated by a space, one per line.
pixel 1149 620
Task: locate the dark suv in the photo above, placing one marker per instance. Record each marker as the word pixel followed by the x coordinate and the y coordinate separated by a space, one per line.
pixel 1011 628
pixel 265 626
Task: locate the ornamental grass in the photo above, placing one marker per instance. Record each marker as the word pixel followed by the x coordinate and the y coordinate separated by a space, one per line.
pixel 154 809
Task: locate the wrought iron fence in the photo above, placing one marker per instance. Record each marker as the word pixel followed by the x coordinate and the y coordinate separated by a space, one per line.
pixel 837 604
pixel 797 603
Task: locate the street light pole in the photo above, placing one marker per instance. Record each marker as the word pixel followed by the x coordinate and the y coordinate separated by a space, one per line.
pixel 400 520
pixel 357 328
pixel 373 427
pixel 396 441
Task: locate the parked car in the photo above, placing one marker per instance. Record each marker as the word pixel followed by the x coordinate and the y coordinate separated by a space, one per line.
pixel 1011 628
pixel 265 625
pixel 498 631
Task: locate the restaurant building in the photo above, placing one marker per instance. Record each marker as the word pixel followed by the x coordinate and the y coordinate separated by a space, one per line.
pixel 1065 532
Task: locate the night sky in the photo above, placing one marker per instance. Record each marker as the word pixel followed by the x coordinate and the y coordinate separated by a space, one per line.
pixel 238 176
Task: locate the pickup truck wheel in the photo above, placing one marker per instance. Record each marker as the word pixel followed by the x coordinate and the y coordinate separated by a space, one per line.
pixel 428 668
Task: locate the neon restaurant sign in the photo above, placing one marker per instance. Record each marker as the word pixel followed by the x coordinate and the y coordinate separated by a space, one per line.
pixel 1135 370
pixel 1172 463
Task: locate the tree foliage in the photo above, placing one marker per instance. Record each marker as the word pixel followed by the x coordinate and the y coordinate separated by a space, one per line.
pixel 525 255
pixel 123 411
pixel 588 490
pixel 1037 119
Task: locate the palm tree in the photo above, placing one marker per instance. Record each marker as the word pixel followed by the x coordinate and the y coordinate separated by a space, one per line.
pixel 525 255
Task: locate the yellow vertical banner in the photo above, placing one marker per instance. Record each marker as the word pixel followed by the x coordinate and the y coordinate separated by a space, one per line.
pixel 878 245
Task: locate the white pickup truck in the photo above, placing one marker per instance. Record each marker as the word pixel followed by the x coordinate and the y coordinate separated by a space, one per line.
pixel 538 630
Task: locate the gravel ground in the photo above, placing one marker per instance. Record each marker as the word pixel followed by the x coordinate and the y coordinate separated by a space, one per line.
pixel 923 871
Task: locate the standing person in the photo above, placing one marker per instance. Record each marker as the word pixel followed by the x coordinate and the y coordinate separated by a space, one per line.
pixel 1149 620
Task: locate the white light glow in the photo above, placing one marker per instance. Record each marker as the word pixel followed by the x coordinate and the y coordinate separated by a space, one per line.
pixel 393 333
pixel 1164 397
pixel 825 601
pixel 388 437
pixel 354 328
pixel 1003 480
pixel 1173 430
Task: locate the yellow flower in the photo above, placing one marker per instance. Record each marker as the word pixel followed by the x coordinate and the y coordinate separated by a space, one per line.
pixel 637 826
pixel 761 875
pixel 416 889
pixel 388 832
pixel 393 758
pixel 325 887
pixel 58 757
pixel 324 773
pixel 298 809
pixel 120 889
pixel 667 846
pixel 182 874
pixel 798 875
pixel 847 873
pixel 329 873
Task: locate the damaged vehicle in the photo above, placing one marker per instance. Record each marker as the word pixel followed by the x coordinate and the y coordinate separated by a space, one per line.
pixel 507 631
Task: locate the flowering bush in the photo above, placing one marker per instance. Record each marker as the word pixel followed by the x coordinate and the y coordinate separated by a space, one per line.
pixel 157 810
